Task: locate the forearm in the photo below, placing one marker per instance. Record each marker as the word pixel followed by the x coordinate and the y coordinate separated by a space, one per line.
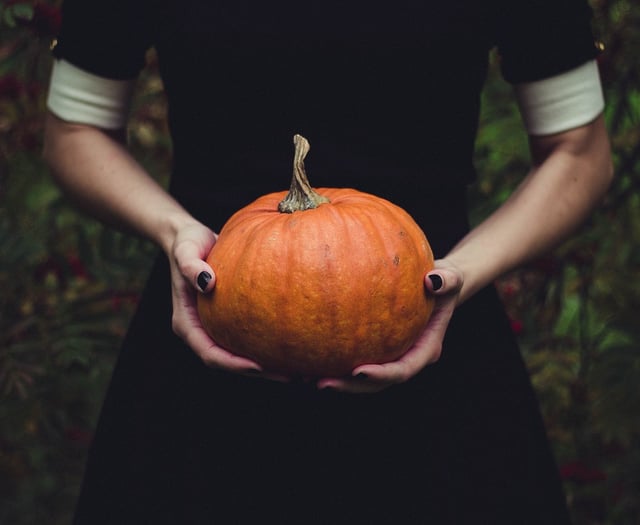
pixel 570 176
pixel 99 174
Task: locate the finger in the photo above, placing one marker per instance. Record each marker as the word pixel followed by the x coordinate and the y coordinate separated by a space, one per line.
pixel 352 386
pixel 215 356
pixel 187 325
pixel 194 269
pixel 427 350
pixel 443 281
pixel 205 280
pixel 373 378
pixel 364 379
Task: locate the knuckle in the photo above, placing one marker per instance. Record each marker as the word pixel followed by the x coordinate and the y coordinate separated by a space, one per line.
pixel 209 360
pixel 401 374
pixel 404 375
pixel 437 353
pixel 177 254
pixel 181 253
pixel 177 326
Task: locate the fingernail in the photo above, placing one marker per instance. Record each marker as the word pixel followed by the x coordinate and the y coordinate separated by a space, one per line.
pixel 362 375
pixel 436 281
pixel 203 280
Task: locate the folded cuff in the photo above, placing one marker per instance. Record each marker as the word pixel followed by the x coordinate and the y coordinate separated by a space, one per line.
pixel 561 102
pixel 78 96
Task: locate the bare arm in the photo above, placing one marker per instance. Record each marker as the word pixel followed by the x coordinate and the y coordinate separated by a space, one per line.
pixel 570 175
pixel 95 169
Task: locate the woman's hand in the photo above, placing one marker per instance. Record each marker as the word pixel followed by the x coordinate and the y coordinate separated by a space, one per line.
pixel 190 275
pixel 445 282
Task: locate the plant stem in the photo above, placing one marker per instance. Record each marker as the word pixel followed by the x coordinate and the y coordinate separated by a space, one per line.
pixel 301 195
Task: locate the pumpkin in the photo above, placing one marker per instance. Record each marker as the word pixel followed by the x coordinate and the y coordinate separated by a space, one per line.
pixel 314 283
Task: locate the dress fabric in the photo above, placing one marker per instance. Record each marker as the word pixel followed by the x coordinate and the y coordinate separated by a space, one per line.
pixel 389 97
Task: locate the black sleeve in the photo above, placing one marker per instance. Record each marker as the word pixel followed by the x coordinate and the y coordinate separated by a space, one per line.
pixel 541 38
pixel 109 39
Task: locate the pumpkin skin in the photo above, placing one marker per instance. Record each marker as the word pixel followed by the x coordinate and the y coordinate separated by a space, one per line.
pixel 316 293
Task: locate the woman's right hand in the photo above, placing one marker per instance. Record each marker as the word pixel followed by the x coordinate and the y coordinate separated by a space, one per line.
pixel 444 284
pixel 190 275
pixel 95 169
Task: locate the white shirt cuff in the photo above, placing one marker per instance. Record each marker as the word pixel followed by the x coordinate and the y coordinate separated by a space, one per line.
pixel 75 95
pixel 561 102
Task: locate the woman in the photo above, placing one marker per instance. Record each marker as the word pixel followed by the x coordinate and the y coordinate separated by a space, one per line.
pixel 450 433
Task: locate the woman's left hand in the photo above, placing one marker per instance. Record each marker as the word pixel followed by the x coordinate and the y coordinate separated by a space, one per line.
pixel 445 282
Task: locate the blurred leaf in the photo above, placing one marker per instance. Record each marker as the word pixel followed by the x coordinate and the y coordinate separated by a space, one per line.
pixel 22 11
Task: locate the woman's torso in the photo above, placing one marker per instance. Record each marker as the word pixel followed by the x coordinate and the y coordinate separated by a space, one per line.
pixel 388 96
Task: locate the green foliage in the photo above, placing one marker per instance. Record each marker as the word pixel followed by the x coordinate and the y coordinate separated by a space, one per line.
pixel 69 285
pixel 577 309
pixel 13 14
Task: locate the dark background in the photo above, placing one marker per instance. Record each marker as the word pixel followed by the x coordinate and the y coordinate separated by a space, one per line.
pixel 69 285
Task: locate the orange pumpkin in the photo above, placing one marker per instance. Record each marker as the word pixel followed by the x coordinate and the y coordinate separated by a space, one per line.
pixel 316 283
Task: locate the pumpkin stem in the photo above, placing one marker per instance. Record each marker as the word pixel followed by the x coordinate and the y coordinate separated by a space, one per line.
pixel 301 195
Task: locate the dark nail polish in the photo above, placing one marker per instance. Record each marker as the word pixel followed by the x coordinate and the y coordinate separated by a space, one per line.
pixel 362 375
pixel 203 280
pixel 436 281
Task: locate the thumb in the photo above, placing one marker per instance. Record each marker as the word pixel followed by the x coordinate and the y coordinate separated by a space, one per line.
pixel 192 266
pixel 199 274
pixel 442 281
pixel 205 279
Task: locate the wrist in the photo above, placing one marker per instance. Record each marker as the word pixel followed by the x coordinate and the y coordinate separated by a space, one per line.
pixel 473 278
pixel 171 224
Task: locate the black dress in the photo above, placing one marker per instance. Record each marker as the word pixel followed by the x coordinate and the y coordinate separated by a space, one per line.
pixel 388 96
